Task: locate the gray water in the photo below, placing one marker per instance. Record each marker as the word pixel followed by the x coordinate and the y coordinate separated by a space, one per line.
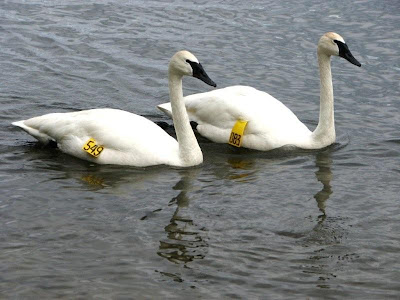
pixel 244 224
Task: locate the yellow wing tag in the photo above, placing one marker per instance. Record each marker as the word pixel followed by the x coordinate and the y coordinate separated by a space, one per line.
pixel 92 148
pixel 237 133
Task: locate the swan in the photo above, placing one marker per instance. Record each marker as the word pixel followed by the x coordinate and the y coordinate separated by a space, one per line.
pixel 113 136
pixel 270 124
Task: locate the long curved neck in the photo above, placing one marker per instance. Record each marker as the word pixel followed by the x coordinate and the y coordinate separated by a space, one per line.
pixel 324 134
pixel 189 149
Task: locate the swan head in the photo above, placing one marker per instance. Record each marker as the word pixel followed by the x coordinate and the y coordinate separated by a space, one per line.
pixel 185 63
pixel 332 43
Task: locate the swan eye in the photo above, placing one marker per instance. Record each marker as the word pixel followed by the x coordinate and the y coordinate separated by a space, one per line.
pixel 344 52
pixel 342 47
pixel 339 43
pixel 198 72
pixel 194 65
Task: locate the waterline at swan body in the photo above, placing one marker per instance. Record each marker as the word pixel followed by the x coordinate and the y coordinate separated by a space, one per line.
pixel 270 124
pixel 112 136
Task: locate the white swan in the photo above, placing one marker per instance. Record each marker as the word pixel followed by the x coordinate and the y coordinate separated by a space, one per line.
pixel 111 136
pixel 270 123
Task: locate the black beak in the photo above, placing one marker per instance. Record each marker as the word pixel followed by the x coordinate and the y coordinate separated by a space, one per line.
pixel 199 73
pixel 346 54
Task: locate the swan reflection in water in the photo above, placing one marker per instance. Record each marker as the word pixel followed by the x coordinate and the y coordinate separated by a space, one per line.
pixel 324 175
pixel 324 259
pixel 185 240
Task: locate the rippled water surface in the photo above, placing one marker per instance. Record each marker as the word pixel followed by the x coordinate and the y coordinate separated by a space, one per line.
pixel 244 224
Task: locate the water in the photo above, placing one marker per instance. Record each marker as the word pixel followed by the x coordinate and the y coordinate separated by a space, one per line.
pixel 308 225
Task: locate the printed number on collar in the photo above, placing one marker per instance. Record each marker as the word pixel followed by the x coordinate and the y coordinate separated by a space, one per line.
pixel 236 136
pixel 92 148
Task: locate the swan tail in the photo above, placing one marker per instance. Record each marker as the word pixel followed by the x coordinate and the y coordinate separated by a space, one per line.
pixel 41 137
pixel 166 108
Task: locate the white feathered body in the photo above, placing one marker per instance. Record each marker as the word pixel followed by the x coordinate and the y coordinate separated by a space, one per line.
pixel 270 123
pixel 127 138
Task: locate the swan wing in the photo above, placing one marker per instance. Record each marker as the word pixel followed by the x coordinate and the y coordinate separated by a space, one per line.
pixel 270 123
pixel 166 109
pixel 127 138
